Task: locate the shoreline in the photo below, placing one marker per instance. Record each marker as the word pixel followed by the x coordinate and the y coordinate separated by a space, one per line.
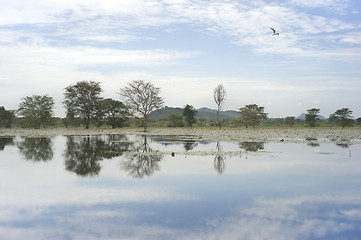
pixel 251 135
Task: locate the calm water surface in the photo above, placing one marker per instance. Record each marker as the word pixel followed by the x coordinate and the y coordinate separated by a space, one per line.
pixel 131 187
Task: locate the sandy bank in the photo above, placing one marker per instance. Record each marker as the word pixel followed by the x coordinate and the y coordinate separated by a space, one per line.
pixel 257 135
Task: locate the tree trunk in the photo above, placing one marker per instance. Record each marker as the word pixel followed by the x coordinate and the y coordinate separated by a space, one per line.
pixel 87 122
pixel 145 122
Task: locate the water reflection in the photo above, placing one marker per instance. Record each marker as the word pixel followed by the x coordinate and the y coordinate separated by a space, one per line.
pixel 344 143
pixel 219 159
pixel 312 142
pixel 36 149
pixel 83 153
pixel 189 145
pixel 5 141
pixel 277 195
pixel 251 146
pixel 188 141
pixel 143 161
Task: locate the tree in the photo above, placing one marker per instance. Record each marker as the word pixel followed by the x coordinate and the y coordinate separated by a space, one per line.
pixel 189 112
pixel 6 117
pixel 343 117
pixel 82 100
pixel 175 120
pixel 142 98
pixel 358 121
pixel 311 116
pixel 219 97
pixel 252 114
pixel 116 112
pixel 290 121
pixel 36 110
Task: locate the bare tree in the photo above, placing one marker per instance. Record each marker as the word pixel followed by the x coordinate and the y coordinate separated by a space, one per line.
pixel 142 98
pixel 219 97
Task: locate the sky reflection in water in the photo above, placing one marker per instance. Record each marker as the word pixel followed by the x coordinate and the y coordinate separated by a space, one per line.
pixel 80 187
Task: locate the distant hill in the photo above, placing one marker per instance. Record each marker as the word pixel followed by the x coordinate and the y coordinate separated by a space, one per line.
pixel 207 113
pixel 165 112
pixel 202 113
pixel 303 117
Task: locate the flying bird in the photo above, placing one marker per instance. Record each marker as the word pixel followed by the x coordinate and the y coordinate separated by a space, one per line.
pixel 274 32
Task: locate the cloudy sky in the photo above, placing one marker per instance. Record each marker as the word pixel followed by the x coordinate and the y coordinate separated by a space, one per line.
pixel 187 48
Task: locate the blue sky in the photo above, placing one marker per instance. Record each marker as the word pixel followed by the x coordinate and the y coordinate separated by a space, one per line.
pixel 187 48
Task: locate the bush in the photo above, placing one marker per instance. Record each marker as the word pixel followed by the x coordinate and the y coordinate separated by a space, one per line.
pixel 175 120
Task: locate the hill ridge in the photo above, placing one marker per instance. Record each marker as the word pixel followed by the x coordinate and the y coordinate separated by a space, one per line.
pixel 202 113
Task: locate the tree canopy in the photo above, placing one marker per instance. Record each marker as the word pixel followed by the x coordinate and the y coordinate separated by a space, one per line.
pixel 36 110
pixel 189 113
pixel 6 117
pixel 311 116
pixel 115 112
pixel 252 114
pixel 343 117
pixel 142 98
pixel 83 100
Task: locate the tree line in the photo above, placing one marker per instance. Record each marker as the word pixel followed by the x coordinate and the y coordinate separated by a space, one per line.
pixel 85 106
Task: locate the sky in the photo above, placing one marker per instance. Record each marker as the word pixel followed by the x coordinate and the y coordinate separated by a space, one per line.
pixel 187 48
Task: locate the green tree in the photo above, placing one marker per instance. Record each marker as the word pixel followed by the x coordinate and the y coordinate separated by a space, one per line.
pixel 83 100
pixel 142 98
pixel 116 112
pixel 343 117
pixel 311 116
pixel 36 110
pixel 189 113
pixel 358 121
pixel 6 117
pixel 289 121
pixel 252 114
pixel 175 120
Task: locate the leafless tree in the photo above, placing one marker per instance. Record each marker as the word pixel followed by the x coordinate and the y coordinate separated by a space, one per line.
pixel 142 98
pixel 219 97
pixel 219 159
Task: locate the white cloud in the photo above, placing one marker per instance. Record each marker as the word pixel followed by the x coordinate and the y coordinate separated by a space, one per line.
pixel 299 217
pixel 336 5
pixel 289 218
pixel 69 41
pixel 247 23
pixel 353 38
pixel 78 56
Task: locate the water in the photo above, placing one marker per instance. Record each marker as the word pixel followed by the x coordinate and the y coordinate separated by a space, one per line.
pixel 131 187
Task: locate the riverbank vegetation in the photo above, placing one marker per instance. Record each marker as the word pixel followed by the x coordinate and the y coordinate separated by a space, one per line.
pixel 142 106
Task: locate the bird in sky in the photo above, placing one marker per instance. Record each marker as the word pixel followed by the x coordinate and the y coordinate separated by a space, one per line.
pixel 274 32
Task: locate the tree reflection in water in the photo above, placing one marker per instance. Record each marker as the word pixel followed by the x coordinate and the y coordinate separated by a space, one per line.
pixel 6 141
pixel 219 159
pixel 251 146
pixel 83 153
pixel 36 149
pixel 189 145
pixel 312 142
pixel 344 143
pixel 142 163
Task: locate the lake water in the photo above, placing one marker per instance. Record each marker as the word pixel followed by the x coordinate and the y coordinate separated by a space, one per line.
pixel 131 187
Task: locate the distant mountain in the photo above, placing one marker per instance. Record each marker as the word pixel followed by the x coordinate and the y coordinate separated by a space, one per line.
pixel 202 113
pixel 207 113
pixel 164 112
pixel 303 117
